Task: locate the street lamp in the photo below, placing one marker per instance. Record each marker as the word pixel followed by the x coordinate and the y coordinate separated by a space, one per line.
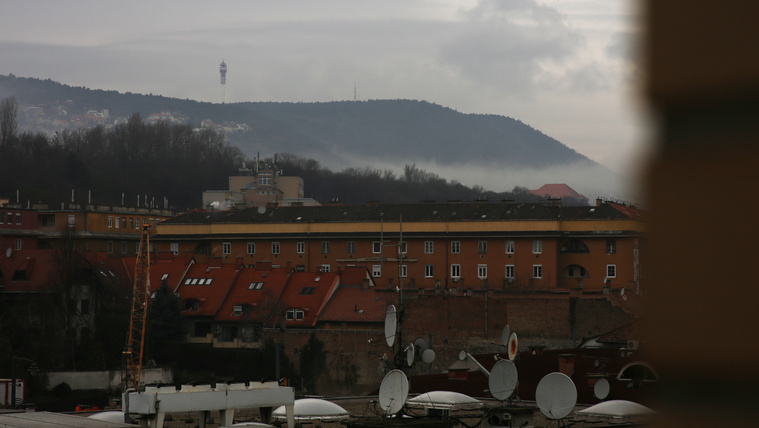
pixel 33 369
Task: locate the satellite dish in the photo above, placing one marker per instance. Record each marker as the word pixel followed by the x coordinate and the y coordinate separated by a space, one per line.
pixel 428 356
pixel 601 388
pixel 393 392
pixel 261 210
pixel 503 380
pixel 420 345
pixel 505 336
pixel 513 346
pixel 462 355
pixel 410 355
pixel 556 395
pixel 8 252
pixel 391 324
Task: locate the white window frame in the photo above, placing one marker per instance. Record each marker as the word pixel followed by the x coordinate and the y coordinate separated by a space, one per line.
pixel 110 221
pixel 325 247
pixel 174 248
pixel 455 247
pixel 300 247
pixel 376 247
pixel 537 271
pixel 19 243
pixel 237 310
pixel 429 270
pixel 455 271
pixel 226 248
pixel 482 271
pixel 324 268
pixel 429 247
pixel 71 220
pixel 611 246
pixel 376 271
pixel 118 223
pixel 509 272
pixel 537 246
pixel 403 271
pixel 403 247
pixel 611 271
pixel 275 247
pixel 350 247
pixel 482 247
pixel 251 247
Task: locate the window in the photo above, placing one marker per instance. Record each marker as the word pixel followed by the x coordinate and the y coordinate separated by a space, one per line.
pixel 429 271
pixel 18 243
pixel 294 314
pixel 456 271
pixel 275 247
pixel 110 247
pixel 71 220
pixel 455 247
pixel 611 271
pixel 256 286
pixel 402 271
pixel 576 271
pixel 18 218
pixel 537 271
pixel 537 246
pixel 402 247
pixel 226 248
pixel 611 246
pixel 237 310
pixel 2 218
pixel 251 248
pixel 164 277
pixel 509 247
pixel 174 248
pixel 376 271
pixel 482 247
pixel 307 291
pixel 300 247
pixel 131 220
pixel 123 248
pixel 574 246
pixel 510 272
pixel 351 247
pixel 118 222
pixel 482 271
pixel 228 334
pixel 325 247
pixel 324 268
pixel 429 247
pixel 376 247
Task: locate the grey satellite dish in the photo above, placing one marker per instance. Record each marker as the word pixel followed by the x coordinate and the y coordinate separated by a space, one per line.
pixel 8 252
pixel 391 324
pixel 462 355
pixel 428 356
pixel 503 380
pixel 393 392
pixel 410 355
pixel 512 346
pixel 556 395
pixel 261 210
pixel 505 336
pixel 419 347
pixel 601 388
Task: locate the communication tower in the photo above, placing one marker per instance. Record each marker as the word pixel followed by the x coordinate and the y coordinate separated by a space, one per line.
pixel 223 73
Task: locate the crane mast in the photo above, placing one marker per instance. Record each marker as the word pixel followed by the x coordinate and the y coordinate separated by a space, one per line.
pixel 131 367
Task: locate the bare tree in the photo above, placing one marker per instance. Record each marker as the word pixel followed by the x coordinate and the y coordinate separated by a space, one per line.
pixel 8 120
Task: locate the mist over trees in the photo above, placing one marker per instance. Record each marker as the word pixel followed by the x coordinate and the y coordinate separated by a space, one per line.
pixel 179 162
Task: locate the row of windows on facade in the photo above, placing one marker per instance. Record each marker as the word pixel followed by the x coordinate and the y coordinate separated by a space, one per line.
pixel 119 222
pixel 429 247
pixel 482 271
pixel 124 247
pixel 10 218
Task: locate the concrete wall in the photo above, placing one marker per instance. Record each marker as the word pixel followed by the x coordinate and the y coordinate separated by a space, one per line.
pixel 104 379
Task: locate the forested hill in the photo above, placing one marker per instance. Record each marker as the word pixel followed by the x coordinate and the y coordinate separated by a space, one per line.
pixel 345 133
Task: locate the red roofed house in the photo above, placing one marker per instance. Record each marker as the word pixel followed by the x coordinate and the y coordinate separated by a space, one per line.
pixel 357 303
pixel 305 296
pixel 559 191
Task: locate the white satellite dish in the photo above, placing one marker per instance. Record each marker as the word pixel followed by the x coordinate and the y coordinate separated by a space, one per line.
pixel 393 392
pixel 410 355
pixel 391 324
pixel 462 355
pixel 261 210
pixel 505 336
pixel 9 252
pixel 420 345
pixel 503 380
pixel 512 346
pixel 312 409
pixel 556 395
pixel 601 388
pixel 428 356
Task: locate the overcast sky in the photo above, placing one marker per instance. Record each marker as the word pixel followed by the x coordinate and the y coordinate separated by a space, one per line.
pixel 565 67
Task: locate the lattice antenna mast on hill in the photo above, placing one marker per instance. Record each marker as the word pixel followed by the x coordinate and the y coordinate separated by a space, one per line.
pixel 223 72
pixel 132 356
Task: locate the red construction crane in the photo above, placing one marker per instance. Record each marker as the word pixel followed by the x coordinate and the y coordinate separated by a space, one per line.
pixel 131 367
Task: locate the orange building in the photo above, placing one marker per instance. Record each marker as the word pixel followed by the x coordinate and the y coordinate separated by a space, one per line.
pixel 511 246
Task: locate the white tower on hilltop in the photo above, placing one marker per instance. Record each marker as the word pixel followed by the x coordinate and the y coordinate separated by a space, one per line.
pixel 223 72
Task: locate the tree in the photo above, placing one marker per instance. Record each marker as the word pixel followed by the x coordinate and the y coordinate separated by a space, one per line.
pixel 164 320
pixel 313 360
pixel 8 121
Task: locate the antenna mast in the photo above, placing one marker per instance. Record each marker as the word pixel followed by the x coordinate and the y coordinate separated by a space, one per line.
pixel 223 72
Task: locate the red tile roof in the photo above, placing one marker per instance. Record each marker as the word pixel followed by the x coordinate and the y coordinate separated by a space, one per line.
pixel 309 292
pixel 258 293
pixel 207 286
pixel 628 210
pixel 559 190
pixel 358 305
pixel 170 270
pixel 27 271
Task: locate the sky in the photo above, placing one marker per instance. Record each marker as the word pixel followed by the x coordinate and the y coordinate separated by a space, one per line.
pixel 568 68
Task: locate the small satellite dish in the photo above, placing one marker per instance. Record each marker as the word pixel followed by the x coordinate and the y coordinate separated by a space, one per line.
pixel 503 380
pixel 462 355
pixel 513 346
pixel 428 356
pixel 410 355
pixel 261 210
pixel 393 392
pixel 420 345
pixel 9 252
pixel 556 395
pixel 505 336
pixel 601 388
pixel 391 324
